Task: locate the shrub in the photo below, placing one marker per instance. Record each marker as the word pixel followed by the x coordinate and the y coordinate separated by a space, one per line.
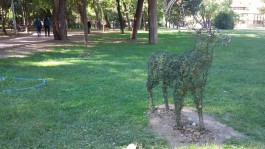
pixel 224 20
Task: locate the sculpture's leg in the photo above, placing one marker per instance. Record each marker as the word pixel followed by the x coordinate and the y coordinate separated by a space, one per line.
pixel 149 86
pixel 198 93
pixel 151 104
pixel 164 89
pixel 178 101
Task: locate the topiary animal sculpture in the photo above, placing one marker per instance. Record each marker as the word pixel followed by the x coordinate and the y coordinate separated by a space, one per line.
pixel 185 72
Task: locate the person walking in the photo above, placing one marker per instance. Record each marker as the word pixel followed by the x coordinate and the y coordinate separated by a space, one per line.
pixel 38 26
pixel 88 27
pixel 47 25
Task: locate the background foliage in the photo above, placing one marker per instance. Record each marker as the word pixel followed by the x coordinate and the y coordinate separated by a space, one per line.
pixel 102 9
pixel 224 20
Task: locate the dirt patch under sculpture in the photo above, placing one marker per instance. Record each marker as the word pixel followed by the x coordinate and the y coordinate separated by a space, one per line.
pixel 163 124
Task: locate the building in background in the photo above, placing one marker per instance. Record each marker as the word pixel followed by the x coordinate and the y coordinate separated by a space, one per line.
pixel 248 13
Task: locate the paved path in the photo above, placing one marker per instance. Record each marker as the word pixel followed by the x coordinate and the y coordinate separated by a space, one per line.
pixel 9 42
pixel 6 43
pixel 24 45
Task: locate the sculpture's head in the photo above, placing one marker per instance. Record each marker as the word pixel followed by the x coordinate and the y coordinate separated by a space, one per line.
pixel 209 38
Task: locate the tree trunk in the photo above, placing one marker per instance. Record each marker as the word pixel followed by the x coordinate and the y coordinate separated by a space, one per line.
pixel 137 19
pixel 82 10
pixel 102 19
pixel 152 15
pixel 107 21
pixel 145 19
pixel 68 17
pixel 141 25
pixel 127 16
pixel 3 14
pixel 97 9
pixel 25 15
pixel 14 17
pixel 166 22
pixel 97 15
pixel 120 16
pixel 59 23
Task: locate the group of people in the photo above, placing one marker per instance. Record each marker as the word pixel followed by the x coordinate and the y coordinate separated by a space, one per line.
pixel 46 23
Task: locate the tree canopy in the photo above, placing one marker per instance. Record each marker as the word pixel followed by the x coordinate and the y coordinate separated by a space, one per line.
pixel 119 14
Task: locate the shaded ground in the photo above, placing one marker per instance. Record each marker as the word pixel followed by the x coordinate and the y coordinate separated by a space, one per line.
pixel 163 124
pixel 23 46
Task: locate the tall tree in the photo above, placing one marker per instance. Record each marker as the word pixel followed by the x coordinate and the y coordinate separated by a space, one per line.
pixel 137 19
pixel 14 17
pixel 59 23
pixel 108 25
pixel 5 5
pixel 25 14
pixel 211 8
pixel 96 9
pixel 120 16
pixel 71 6
pixel 203 11
pixel 82 4
pixel 262 9
pixel 127 16
pixel 152 21
pixel 145 19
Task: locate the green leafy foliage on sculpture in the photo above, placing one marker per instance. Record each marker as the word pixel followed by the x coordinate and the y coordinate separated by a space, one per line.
pixel 185 72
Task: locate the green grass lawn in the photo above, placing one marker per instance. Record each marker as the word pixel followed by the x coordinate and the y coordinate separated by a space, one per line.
pixel 100 101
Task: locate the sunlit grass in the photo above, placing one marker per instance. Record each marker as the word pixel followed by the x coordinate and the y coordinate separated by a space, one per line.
pixel 51 63
pixel 100 101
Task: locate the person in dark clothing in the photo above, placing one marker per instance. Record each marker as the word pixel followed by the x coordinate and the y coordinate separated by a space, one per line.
pixel 38 26
pixel 88 26
pixel 47 25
